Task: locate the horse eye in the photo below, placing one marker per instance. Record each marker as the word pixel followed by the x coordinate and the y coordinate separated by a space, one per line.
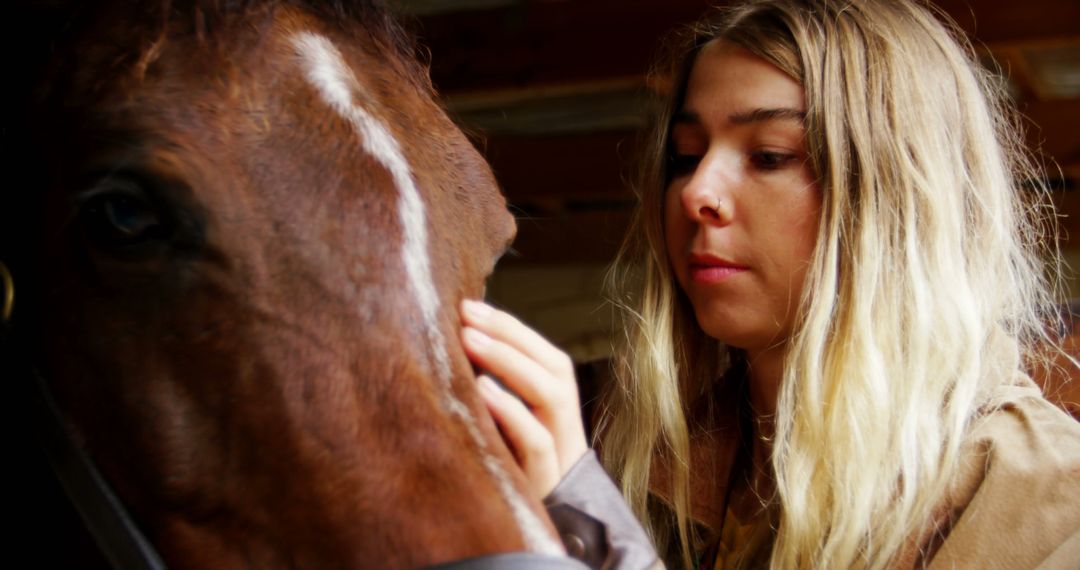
pixel 117 214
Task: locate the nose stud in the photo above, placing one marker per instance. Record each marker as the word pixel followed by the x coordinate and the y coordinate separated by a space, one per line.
pixel 716 211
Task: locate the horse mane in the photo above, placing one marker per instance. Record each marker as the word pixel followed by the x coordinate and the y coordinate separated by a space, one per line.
pixel 45 28
pixel 371 16
pixel 50 21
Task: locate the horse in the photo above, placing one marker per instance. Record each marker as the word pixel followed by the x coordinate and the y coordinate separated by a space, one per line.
pixel 239 233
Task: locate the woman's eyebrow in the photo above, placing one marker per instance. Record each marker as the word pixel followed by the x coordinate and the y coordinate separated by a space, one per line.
pixel 758 115
pixel 687 117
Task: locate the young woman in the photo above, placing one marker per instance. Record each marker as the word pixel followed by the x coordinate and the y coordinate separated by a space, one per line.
pixel 842 278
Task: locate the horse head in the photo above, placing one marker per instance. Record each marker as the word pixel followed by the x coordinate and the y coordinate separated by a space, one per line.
pixel 252 228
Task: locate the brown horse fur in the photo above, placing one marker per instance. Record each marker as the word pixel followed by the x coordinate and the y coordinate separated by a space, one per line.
pixel 250 372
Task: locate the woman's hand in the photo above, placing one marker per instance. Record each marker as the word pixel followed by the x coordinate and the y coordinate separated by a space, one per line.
pixel 543 428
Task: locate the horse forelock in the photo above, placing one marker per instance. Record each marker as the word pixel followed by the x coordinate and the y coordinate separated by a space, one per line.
pixel 148 26
pixel 338 87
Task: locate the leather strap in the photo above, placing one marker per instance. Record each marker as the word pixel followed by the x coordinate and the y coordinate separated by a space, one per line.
pixel 113 529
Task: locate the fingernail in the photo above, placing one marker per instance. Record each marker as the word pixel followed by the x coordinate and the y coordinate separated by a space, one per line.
pixel 477 309
pixel 486 383
pixel 476 338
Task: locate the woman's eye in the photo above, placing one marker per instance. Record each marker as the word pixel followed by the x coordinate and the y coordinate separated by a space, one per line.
pixel 768 160
pixel 118 215
pixel 683 164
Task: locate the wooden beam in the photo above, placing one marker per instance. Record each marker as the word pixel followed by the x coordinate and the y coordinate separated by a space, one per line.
pixel 565 169
pixel 436 7
pixel 549 42
pixel 990 21
pixel 1053 130
pixel 569 237
pixel 616 104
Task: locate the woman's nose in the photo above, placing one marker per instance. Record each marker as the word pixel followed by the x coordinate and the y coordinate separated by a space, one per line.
pixel 706 198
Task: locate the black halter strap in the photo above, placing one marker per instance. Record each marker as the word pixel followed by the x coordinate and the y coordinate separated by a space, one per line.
pixel 113 529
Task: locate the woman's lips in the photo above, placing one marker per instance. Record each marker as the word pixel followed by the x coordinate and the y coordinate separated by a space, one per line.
pixel 707 269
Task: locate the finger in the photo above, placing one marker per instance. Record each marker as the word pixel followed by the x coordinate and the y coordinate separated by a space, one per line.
pixel 521 374
pixel 530 442
pixel 506 328
pixel 553 402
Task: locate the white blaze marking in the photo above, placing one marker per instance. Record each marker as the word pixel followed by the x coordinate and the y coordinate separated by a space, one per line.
pixel 327 72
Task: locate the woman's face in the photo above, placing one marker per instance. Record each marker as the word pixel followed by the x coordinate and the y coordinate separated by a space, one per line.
pixel 741 211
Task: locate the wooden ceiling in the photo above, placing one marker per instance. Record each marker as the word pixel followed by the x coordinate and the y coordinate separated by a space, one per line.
pixel 552 92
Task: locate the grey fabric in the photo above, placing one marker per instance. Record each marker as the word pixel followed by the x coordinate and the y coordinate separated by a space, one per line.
pixel 511 561
pixel 595 523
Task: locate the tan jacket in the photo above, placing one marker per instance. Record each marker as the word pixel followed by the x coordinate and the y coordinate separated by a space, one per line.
pixel 1016 503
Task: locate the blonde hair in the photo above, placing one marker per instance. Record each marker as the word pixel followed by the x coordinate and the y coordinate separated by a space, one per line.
pixel 926 289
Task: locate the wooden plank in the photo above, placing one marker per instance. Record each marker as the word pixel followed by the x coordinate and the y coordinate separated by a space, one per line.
pixel 569 237
pixel 436 7
pixel 990 21
pixel 607 105
pixel 549 42
pixel 1054 130
pixel 529 43
pixel 550 170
